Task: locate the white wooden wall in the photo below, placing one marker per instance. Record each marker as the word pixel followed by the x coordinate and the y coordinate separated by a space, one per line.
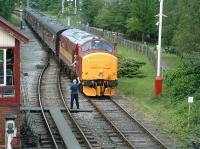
pixel 6 40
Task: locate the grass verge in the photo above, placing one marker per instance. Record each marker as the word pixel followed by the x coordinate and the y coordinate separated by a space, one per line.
pixel 170 118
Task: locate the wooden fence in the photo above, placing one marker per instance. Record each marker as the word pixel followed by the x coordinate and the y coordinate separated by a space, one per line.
pixel 119 39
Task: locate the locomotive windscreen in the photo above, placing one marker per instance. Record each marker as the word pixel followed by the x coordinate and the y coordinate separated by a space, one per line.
pixel 97 45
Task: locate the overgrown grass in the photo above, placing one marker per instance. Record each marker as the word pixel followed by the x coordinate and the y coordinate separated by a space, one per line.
pixel 137 87
pixel 170 59
pixel 170 118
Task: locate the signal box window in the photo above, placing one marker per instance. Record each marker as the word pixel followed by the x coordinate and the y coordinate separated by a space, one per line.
pixel 6 72
pixel 2 67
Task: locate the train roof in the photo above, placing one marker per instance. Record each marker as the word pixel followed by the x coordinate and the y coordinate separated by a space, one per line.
pixel 49 23
pixel 78 36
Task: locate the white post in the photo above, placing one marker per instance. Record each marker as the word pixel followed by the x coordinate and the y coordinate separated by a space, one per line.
pixel 159 37
pixel 27 3
pixel 68 20
pixel 189 116
pixel 63 1
pixel 75 9
pixel 190 101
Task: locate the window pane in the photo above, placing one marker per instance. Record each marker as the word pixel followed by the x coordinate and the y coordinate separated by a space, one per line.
pixel 97 44
pixel 101 45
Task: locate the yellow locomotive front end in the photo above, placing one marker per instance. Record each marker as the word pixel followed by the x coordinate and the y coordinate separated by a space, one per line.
pixel 99 74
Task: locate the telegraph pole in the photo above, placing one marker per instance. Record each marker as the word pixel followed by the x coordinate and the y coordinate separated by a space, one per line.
pixel 158 79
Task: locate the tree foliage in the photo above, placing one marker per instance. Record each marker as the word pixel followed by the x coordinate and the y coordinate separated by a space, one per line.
pixel 113 16
pixel 187 35
pixel 90 9
pixel 136 18
pixel 53 6
pixel 7 7
pixel 184 80
pixel 142 18
pixel 182 26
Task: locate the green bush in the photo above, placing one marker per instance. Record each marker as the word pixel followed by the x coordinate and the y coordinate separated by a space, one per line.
pixel 129 68
pixel 183 81
pixel 183 86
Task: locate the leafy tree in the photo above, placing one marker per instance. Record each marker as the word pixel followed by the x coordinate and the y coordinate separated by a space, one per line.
pixel 43 4
pixel 7 6
pixel 187 36
pixel 90 9
pixel 142 18
pixel 104 19
pixel 170 23
pixel 183 81
pixel 54 6
pixel 113 16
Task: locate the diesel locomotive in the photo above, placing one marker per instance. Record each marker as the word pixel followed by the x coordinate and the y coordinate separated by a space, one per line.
pixel 80 54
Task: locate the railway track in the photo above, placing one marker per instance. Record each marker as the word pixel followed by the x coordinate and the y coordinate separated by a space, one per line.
pixel 84 136
pixel 48 96
pixel 109 126
pixel 34 132
pixel 51 86
pixel 129 129
pixel 124 130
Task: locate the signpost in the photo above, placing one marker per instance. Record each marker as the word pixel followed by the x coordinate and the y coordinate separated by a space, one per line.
pixel 190 100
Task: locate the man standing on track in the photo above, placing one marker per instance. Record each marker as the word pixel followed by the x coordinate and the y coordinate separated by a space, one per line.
pixel 74 93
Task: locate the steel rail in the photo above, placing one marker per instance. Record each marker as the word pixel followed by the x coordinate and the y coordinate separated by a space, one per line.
pixel 112 125
pixel 40 101
pixel 69 113
pixel 140 125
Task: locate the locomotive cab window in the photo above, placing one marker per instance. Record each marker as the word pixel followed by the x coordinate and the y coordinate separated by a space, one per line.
pixel 97 45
